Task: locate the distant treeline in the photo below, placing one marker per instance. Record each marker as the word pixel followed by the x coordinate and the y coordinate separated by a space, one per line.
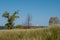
pixel 24 27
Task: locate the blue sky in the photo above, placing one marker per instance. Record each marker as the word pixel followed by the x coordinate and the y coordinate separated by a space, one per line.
pixel 40 10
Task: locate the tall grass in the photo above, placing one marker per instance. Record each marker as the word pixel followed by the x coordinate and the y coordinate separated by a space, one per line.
pixel 49 33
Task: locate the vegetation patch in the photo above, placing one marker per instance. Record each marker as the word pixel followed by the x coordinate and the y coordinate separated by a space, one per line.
pixel 49 33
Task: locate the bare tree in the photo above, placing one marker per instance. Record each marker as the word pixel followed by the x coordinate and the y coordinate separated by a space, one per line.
pixel 54 20
pixel 28 21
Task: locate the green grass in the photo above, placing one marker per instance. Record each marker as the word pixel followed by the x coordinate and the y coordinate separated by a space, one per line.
pixel 49 33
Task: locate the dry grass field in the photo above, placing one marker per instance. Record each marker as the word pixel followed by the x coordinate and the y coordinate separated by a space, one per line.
pixel 49 33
